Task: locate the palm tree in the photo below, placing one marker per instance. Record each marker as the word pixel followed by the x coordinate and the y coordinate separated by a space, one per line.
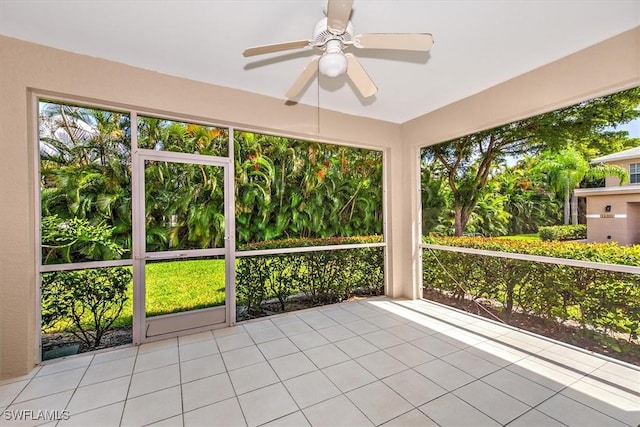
pixel 566 169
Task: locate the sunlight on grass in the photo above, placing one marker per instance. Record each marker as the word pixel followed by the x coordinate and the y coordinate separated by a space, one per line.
pixel 175 286
pixel 534 236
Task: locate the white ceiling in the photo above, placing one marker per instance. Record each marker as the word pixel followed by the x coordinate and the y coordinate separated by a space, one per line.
pixel 478 43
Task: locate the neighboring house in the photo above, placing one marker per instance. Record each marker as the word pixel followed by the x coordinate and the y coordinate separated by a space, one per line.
pixel 613 212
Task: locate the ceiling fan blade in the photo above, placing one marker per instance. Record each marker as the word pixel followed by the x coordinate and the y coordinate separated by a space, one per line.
pixel 304 78
pixel 360 78
pixel 277 47
pixel 338 12
pixel 399 41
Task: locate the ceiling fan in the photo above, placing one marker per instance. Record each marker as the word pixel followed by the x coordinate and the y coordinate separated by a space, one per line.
pixel 334 34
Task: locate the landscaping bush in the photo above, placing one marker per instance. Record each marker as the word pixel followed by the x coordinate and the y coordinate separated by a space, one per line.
pixel 609 301
pixel 322 277
pixel 91 300
pixel 563 232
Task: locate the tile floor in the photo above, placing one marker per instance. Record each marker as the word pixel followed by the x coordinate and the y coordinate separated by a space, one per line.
pixel 372 362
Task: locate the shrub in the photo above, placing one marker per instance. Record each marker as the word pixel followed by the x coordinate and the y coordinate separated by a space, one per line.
pixel 606 300
pixel 563 232
pixel 75 296
pixel 322 276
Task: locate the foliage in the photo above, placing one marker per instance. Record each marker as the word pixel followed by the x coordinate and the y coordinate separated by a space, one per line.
pixel 288 188
pixel 76 239
pixel 606 300
pixel 467 163
pixel 563 232
pixel 321 276
pixel 75 296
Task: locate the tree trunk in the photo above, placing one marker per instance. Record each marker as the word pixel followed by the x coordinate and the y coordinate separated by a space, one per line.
pixel 567 198
pixel 574 208
pixel 461 219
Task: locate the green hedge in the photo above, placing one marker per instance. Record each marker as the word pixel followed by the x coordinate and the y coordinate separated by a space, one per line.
pixel 322 277
pixel 606 300
pixel 563 232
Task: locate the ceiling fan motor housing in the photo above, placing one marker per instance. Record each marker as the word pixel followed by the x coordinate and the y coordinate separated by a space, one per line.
pixel 333 62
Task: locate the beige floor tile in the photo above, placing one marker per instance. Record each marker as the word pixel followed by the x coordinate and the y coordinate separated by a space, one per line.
pixel 336 333
pixel 470 363
pixel 152 407
pixel 106 416
pixel 348 375
pixel 415 388
pixel 224 413
pixel 379 402
pixel 266 334
pixel 356 347
pixel 100 394
pixel 168 344
pixel 64 365
pixel 10 391
pixel 409 354
pixel 253 377
pixel 292 365
pixel 169 422
pixel 443 374
pixel 235 341
pixel 406 332
pixel 361 327
pixel 337 412
pixel 311 388
pixel 206 391
pixel 114 354
pixel 384 322
pixel 200 368
pixel 435 346
pixel 297 419
pixel 500 406
pixel 413 418
pixel 449 410
pixel 266 404
pixel 326 355
pixel 193 338
pixel 381 364
pixel 198 349
pixel 156 359
pixel 294 327
pixel 535 418
pixel 518 387
pixel 573 413
pixel 54 403
pixel 382 339
pixel 108 370
pixel 277 348
pixel 308 340
pixel 50 384
pixel 154 380
pixel 242 357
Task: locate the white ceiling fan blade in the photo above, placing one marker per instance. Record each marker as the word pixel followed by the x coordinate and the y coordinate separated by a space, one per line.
pixel 397 41
pixel 277 47
pixel 338 12
pixel 304 78
pixel 360 78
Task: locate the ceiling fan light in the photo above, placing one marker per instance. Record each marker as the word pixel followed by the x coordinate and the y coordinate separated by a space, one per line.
pixel 333 64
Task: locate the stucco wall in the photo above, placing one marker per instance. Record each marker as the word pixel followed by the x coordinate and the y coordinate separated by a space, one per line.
pixel 612 181
pixel 621 224
pixel 606 67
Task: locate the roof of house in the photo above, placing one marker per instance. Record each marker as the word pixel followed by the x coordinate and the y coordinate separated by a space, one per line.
pixel 621 155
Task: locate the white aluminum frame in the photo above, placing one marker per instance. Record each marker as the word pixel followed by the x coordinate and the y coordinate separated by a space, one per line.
pixel 620 268
pixel 138 253
pixel 139 156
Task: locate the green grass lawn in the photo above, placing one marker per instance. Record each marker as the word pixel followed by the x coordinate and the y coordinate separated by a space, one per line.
pixel 534 236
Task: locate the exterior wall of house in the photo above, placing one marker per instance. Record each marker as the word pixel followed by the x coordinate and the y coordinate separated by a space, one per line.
pixel 621 224
pixel 603 68
pixel 612 181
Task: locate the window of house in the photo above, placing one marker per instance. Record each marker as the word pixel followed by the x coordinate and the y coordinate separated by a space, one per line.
pixel 634 173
